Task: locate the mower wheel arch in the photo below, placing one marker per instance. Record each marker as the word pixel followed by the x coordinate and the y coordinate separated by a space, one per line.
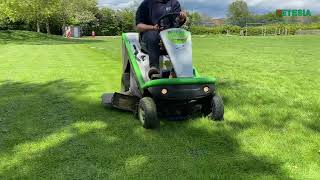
pixel 147 113
pixel 217 108
pixel 125 82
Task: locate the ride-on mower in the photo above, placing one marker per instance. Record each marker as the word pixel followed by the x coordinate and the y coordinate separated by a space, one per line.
pixel 176 92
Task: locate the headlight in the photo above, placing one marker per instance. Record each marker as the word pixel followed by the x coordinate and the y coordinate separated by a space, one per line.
pixel 206 89
pixel 164 91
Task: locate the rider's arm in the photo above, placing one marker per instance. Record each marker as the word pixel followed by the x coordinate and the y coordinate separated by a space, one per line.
pixel 141 27
pixel 142 18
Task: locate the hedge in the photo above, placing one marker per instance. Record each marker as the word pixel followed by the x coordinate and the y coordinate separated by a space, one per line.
pixel 272 29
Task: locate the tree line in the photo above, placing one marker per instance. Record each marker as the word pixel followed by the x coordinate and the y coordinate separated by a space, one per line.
pixel 50 16
pixel 45 15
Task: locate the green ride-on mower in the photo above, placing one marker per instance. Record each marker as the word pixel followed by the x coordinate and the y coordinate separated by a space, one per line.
pixel 177 92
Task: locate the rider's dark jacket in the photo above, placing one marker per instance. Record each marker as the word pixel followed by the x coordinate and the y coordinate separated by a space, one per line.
pixel 150 11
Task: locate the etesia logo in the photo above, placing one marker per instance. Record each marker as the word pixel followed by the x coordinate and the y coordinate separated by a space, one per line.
pixel 293 12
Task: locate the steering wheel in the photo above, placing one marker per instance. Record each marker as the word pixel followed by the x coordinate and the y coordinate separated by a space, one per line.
pixel 169 20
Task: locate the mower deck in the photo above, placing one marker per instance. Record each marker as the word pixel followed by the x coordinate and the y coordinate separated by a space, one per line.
pixel 120 101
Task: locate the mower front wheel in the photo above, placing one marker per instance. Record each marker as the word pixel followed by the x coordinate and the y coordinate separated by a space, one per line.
pixel 147 113
pixel 217 108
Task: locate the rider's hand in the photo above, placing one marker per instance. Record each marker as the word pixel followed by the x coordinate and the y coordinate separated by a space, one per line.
pixel 183 16
pixel 156 27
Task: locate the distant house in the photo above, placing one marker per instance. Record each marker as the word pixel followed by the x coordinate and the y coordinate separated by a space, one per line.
pixel 218 22
pixel 213 22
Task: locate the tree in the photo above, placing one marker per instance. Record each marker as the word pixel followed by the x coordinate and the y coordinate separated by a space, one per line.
pixel 238 13
pixel 33 11
pixel 126 20
pixel 195 18
pixel 29 11
pixel 108 24
pixel 49 10
pixel 6 11
pixel 3 11
pixel 77 12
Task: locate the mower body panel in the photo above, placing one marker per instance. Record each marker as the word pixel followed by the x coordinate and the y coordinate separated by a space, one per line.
pixel 178 44
pixel 139 63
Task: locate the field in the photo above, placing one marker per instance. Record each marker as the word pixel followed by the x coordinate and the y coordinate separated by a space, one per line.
pixel 52 125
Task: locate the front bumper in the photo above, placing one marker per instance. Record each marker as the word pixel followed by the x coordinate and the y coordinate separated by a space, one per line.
pixel 182 92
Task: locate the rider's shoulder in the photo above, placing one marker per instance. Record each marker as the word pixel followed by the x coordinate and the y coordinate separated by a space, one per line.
pixel 149 1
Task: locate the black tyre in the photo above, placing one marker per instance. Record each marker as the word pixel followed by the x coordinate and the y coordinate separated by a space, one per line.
pixel 206 106
pixel 217 108
pixel 147 113
pixel 125 82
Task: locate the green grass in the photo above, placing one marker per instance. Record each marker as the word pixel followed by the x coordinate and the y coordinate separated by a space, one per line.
pixel 52 125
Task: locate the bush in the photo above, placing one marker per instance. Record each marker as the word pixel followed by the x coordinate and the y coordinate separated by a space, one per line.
pixel 216 29
pixel 254 31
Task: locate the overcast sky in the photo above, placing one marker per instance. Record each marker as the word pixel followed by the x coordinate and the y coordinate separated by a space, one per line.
pixel 218 8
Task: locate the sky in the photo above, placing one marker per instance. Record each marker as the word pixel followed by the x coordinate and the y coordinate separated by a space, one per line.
pixel 218 8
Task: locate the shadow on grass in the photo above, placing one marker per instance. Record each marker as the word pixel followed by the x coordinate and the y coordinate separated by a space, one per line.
pixel 32 38
pixel 48 131
pixel 30 111
pixel 314 126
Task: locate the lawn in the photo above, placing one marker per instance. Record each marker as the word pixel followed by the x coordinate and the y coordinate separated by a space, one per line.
pixel 52 125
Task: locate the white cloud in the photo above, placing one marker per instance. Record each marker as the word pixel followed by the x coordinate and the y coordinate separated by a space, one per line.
pixel 116 4
pixel 218 8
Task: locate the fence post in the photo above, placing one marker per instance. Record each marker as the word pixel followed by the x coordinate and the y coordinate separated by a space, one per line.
pixel 246 30
pixel 266 31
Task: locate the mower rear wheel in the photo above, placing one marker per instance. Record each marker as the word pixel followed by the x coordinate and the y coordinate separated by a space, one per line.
pixel 147 113
pixel 217 108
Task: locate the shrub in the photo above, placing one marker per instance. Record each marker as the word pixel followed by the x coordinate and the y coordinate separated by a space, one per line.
pixel 276 29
